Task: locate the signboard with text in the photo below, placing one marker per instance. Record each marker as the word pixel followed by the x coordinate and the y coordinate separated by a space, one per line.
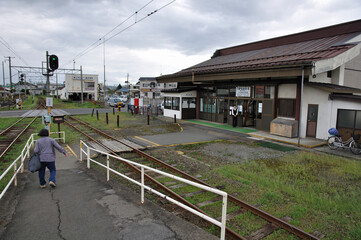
pixel 243 91
pixel 49 102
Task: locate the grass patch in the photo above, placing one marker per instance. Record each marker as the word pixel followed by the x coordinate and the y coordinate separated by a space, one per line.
pixel 318 191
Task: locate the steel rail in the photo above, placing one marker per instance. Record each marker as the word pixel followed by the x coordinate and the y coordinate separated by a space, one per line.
pixel 12 125
pixel 17 137
pixel 229 232
pixel 270 218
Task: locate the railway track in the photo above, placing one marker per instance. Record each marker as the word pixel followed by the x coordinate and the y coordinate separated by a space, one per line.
pixel 11 134
pixel 271 224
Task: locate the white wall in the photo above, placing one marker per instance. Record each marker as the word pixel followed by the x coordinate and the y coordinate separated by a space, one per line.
pixel 178 113
pixel 287 91
pixel 320 77
pixel 319 97
pixel 327 110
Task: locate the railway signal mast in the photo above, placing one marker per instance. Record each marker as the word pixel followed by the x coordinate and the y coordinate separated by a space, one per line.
pixel 52 63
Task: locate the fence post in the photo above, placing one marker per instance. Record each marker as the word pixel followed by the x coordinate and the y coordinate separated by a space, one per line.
pixel 97 115
pixel 175 118
pixel 106 118
pixel 148 118
pixel 108 177
pixel 92 112
pixel 15 176
pixel 142 186
pixel 224 218
pixel 113 111
pixel 23 156
pixel 118 121
pixel 81 152
pixel 88 157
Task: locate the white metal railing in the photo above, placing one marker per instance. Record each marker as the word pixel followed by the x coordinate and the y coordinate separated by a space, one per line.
pixel 24 154
pixel 221 224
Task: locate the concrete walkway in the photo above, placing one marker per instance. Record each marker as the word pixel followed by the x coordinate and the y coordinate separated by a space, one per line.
pixel 81 207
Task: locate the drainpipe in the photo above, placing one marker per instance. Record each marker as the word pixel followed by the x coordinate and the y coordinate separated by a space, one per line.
pixel 300 120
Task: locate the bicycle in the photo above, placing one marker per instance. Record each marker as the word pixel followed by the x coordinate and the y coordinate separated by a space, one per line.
pixel 335 141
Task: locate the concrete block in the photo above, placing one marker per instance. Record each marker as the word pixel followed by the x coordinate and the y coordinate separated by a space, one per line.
pixel 284 127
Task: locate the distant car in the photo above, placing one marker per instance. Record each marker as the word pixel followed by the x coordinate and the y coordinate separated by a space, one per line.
pixel 124 98
pixel 114 102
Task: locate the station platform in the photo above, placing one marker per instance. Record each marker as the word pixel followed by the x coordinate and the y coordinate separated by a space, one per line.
pixel 84 207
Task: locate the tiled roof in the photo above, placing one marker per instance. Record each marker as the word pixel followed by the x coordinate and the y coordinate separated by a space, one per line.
pixel 292 50
pixel 333 88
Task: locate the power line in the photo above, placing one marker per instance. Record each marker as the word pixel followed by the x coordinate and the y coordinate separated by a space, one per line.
pixel 7 45
pixel 99 42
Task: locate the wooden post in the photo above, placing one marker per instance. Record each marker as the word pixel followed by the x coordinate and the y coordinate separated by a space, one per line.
pixel 97 115
pixel 106 118
pixel 118 120
pixel 175 118
pixel 148 118
pixel 59 130
pixel 92 112
pixel 113 111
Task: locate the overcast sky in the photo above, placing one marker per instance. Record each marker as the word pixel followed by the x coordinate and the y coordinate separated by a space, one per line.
pixel 181 34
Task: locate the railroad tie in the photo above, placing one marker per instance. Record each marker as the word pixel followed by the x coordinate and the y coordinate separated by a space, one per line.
pixel 209 202
pixel 231 215
pixel 263 232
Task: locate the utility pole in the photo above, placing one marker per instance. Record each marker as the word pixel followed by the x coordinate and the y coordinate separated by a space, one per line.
pixel 81 83
pixel 104 65
pixel 11 82
pixel 57 94
pixel 3 74
pixel 47 75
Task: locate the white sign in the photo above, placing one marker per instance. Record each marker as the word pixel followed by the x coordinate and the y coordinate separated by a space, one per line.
pixel 260 107
pixel 49 102
pixel 243 91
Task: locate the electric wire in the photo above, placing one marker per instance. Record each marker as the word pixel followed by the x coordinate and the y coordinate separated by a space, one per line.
pixel 99 42
pixel 7 45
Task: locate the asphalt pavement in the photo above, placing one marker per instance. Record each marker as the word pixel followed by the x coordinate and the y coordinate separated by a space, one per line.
pixel 82 207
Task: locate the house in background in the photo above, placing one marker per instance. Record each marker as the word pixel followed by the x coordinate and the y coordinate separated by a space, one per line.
pixel 151 90
pixel 311 78
pixel 74 88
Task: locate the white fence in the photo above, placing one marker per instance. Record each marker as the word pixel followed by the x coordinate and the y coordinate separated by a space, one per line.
pixel 221 224
pixel 19 167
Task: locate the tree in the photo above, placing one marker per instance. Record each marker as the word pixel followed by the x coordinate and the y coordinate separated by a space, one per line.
pixel 119 87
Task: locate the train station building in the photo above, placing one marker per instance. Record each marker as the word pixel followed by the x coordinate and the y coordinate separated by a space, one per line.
pixel 312 78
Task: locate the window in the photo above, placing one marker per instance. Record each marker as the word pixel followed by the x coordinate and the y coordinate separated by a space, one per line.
pixel 286 108
pixel 175 103
pixel 349 119
pixel 171 103
pixel 259 91
pixel 168 102
pixel 188 103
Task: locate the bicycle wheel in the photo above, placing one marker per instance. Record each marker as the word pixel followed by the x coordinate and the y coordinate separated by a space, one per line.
pixel 331 142
pixel 355 147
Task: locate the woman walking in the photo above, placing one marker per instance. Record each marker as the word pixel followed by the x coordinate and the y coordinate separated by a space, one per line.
pixel 45 148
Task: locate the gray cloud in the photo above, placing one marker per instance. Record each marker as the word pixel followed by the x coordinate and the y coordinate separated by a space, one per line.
pixel 186 30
